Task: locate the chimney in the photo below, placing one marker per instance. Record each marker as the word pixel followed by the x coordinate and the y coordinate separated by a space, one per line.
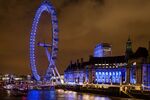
pixel 90 58
pixel 77 61
pixel 71 62
pixel 81 60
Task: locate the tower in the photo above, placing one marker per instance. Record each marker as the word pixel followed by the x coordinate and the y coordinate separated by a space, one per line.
pixel 129 51
pixel 128 55
pixel 103 50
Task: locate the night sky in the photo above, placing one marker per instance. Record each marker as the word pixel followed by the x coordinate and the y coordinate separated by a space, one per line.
pixel 82 24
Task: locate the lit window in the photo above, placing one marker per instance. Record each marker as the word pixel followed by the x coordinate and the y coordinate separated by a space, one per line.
pixel 134 63
pixel 96 73
pixel 106 73
pixel 102 73
pixel 113 73
pixel 116 73
pixel 119 72
pixel 109 73
pixel 96 64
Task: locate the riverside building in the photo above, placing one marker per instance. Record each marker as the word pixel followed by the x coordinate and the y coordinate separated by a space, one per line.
pixel 131 68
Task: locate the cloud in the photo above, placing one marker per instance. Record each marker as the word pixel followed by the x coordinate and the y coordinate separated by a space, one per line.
pixel 82 24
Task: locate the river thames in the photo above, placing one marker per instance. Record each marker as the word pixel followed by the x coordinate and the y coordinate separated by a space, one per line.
pixel 57 95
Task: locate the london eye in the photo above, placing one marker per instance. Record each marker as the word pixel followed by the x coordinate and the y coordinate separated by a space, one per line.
pixel 51 54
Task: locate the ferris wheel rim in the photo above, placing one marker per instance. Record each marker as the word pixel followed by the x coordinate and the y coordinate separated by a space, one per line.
pixel 45 6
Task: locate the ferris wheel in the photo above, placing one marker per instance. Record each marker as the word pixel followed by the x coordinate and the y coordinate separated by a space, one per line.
pixel 52 53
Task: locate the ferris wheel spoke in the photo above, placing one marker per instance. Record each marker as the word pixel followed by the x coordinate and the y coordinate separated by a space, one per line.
pixel 48 54
pixel 46 45
pixel 51 54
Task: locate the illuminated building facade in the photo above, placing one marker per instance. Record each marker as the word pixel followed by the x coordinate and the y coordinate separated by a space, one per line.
pixel 146 74
pixel 131 68
pixel 76 73
pixel 102 50
pixel 108 70
pixel 138 68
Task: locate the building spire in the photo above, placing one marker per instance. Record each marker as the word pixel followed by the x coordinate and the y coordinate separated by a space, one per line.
pixel 129 51
pixel 129 39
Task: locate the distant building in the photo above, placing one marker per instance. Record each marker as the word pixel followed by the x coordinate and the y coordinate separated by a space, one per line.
pixel 102 50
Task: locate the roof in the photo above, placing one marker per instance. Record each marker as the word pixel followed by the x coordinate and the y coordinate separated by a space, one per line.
pixel 111 59
pixel 95 60
pixel 103 44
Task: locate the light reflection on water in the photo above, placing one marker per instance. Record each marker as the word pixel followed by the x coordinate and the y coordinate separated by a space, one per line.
pixel 56 95
pixel 41 95
pixel 66 95
pixel 61 95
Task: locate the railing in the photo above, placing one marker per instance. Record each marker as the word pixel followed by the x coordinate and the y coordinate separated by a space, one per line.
pixel 147 88
pixel 125 92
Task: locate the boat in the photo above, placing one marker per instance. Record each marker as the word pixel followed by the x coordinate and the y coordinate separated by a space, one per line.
pixel 8 87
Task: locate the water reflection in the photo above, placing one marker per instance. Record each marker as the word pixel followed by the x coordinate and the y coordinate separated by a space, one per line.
pixel 33 95
pixel 49 95
pixel 70 95
pixel 41 95
pixel 65 95
pixel 56 95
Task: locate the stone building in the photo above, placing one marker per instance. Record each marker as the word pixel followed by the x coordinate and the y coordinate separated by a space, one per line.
pixel 131 68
